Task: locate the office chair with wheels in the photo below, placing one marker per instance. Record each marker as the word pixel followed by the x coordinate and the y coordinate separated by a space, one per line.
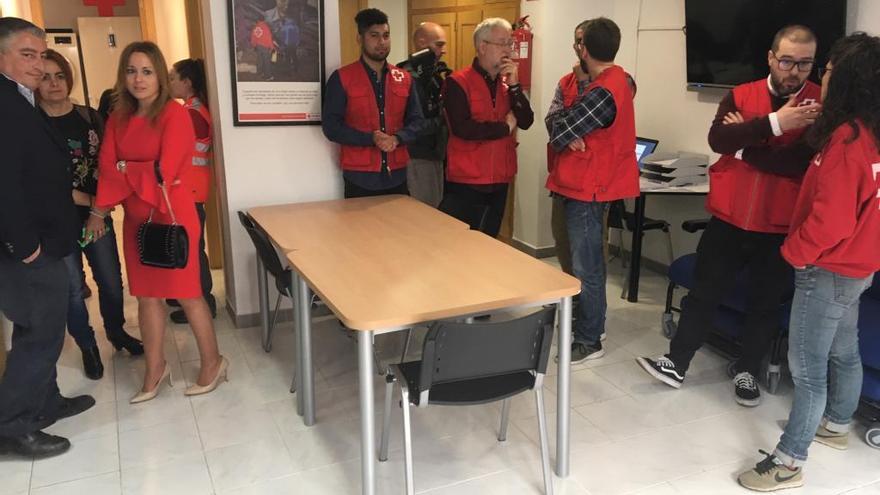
pixel 730 317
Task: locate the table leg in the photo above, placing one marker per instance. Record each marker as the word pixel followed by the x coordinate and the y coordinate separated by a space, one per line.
pixel 263 292
pixel 563 387
pixel 298 347
pixel 368 433
pixel 635 265
pixel 305 339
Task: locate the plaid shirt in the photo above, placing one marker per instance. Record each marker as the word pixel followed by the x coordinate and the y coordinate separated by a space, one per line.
pixel 593 111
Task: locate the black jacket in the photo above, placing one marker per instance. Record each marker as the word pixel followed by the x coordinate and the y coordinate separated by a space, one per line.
pixel 428 82
pixel 36 205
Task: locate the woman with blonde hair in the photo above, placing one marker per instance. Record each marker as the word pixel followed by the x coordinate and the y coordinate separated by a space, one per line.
pixel 149 134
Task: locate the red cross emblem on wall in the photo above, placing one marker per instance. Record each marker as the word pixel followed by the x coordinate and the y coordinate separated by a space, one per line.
pixel 397 75
pixel 105 7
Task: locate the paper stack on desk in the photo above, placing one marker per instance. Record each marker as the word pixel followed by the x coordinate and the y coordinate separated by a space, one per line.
pixel 675 168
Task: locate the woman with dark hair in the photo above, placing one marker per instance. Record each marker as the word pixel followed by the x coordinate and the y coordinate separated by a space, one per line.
pixel 82 129
pixel 187 82
pixel 833 247
pixel 148 129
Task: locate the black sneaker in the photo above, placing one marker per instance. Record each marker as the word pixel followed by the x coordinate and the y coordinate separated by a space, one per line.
pixel 585 352
pixel 746 389
pixel 663 369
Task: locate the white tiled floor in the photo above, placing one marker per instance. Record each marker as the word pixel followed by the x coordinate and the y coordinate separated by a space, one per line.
pixel 630 434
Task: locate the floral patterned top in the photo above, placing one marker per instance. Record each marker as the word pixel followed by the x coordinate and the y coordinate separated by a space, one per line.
pixel 83 141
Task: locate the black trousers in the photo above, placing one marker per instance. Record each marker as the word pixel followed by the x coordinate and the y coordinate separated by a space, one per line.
pixel 723 252
pixel 352 190
pixel 29 388
pixel 204 266
pixel 482 210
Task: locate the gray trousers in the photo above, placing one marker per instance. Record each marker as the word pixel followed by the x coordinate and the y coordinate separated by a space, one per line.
pixel 424 178
pixel 28 388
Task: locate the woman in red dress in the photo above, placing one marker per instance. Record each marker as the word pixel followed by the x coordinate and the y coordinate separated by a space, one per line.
pixel 145 126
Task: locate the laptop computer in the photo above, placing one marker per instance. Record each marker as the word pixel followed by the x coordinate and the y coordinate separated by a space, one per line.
pixel 644 147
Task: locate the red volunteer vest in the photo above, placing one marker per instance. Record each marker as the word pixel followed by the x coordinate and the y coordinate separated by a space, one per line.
pixel 362 113
pixel 199 175
pixel 606 170
pixel 744 196
pixel 481 162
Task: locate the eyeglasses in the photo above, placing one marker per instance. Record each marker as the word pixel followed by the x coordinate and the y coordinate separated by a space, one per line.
pixel 503 44
pixel 788 64
pixel 822 71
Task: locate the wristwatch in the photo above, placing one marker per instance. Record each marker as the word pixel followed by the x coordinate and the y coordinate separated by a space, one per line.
pixel 120 165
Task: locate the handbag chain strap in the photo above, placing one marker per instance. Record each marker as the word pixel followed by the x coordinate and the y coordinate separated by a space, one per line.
pixel 164 194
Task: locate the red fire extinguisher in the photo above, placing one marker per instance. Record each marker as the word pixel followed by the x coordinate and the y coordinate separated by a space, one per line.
pixel 522 51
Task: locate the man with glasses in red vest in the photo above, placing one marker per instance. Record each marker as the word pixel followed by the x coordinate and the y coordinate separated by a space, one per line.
pixel 754 187
pixel 484 105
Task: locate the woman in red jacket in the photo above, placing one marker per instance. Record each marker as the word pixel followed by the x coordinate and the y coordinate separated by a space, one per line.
pixel 833 246
pixel 148 126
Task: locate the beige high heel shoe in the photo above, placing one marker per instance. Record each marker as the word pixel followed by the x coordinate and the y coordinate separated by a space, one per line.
pixel 204 389
pixel 150 395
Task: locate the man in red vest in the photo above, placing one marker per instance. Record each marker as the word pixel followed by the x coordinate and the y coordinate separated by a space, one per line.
pixel 371 110
pixel 581 79
pixel 754 186
pixel 594 138
pixel 484 104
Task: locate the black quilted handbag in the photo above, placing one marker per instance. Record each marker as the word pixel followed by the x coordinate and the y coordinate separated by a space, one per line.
pixel 163 245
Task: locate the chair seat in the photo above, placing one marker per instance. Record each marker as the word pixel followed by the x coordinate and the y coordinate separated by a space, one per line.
pixel 467 392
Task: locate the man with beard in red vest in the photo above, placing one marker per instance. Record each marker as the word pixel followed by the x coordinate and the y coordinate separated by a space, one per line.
pixel 754 187
pixel 594 139
pixel 372 111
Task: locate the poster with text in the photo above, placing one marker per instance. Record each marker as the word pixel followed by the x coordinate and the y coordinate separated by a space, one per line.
pixel 277 52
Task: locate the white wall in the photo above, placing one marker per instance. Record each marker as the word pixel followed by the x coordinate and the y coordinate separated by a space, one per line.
pixel 653 50
pixel 261 165
pixel 268 165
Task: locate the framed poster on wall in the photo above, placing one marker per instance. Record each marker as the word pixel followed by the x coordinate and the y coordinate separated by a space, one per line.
pixel 277 53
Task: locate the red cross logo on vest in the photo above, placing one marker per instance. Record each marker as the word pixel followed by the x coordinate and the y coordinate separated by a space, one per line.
pixel 105 7
pixel 397 75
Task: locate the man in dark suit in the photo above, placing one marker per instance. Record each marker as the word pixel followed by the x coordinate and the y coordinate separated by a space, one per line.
pixel 38 227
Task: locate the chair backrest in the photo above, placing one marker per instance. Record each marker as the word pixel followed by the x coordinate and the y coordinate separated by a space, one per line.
pixel 462 351
pixel 263 245
pixel 619 218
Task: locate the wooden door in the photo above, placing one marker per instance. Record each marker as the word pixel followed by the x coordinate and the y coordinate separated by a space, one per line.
pixel 348 30
pixel 506 11
pixel 446 20
pixel 465 24
pixel 430 4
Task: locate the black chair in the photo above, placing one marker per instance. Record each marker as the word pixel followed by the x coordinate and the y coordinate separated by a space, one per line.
pixel 620 219
pixel 474 363
pixel 269 257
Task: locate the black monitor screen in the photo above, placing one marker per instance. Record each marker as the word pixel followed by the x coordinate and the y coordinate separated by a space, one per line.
pixel 727 41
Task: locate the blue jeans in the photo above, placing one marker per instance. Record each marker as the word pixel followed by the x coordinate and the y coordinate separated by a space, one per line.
pixel 823 355
pixel 584 220
pixel 103 258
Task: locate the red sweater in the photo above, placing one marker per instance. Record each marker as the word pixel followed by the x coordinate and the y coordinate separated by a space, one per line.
pixel 836 221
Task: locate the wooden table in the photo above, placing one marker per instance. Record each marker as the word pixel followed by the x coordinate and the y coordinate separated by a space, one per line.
pixel 397 286
pixel 380 280
pixel 321 223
